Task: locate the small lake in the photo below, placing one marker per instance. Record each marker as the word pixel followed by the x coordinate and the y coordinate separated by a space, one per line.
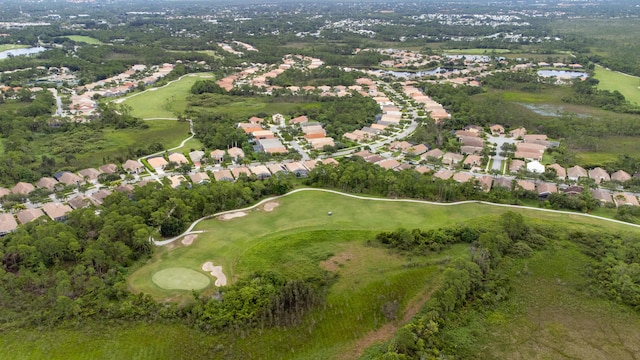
pixel 18 52
pixel 562 73
pixel 410 74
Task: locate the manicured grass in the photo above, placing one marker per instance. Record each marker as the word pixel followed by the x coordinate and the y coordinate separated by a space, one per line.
pixel 4 47
pixel 550 315
pixel 627 85
pixel 164 102
pixel 180 279
pixel 84 39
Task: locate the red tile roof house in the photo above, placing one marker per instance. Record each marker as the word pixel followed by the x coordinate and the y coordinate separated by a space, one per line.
pixel 297 168
pixel 621 176
pixel 517 133
pixel 472 160
pixel 199 178
pixel 560 171
pixel 4 192
pixel 462 177
pixel 47 183
pixel 298 120
pixel 223 175
pixel 276 168
pixel 237 171
pixel 443 174
pixel 8 224
pixel 99 196
pixel 236 153
pixel 133 167
pixel 29 215
pixel 157 163
pixel 497 129
pixel 452 158
pixel 89 174
pixel 108 169
pixel 178 158
pixel 56 212
pixel 625 199
pixel 423 169
pixel 546 189
pixel 434 154
pixel 471 141
pixel 417 150
pixel 22 188
pixel 388 164
pixel 516 165
pixel 599 175
pixel 485 182
pixel 603 195
pixel 217 155
pixel 526 185
pixel 260 171
pixel 576 172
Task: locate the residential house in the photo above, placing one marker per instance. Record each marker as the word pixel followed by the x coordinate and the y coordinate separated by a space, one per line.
pixel 199 178
pixel 576 172
pixel 621 176
pixel 603 196
pixel 47 183
pixel 28 215
pixel 4 192
pixel 400 145
pixel 516 165
pixel 485 182
pixel 299 120
pixel 310 164
pixel 256 120
pixel 574 190
pixel 134 167
pixel 124 188
pixel 497 129
pixel 223 175
pixel 217 155
pixel 196 156
pixel 443 174
pixel 178 158
pixel 238 171
pixel 236 153
pixel 526 185
pixel 463 133
pixel 471 161
pixel 90 174
pixel 99 196
pixel 8 224
pixel 625 199
pixel 503 182
pixel 535 167
pixel 417 150
pixel 297 168
pixel 80 202
pixel 22 188
pixel 108 169
pixel 157 163
pixel 260 171
pixel 56 212
pixel 452 158
pixel 471 141
pixel 468 150
pixel 433 154
pixel 272 146
pixel 546 189
pixel 423 169
pixel 388 163
pixel 330 161
pixel 561 173
pixel 599 175
pixel 518 133
pixel 462 177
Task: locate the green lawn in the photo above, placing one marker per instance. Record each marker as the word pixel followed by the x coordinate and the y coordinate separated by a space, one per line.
pixel 164 102
pixel 5 47
pixel 627 85
pixel 84 39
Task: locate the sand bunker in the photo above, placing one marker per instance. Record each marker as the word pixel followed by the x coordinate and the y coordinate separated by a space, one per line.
pixel 270 205
pixel 188 240
pixel 216 271
pixel 232 215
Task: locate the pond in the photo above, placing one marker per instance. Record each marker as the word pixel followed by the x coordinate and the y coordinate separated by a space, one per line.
pixel 562 74
pixel 25 51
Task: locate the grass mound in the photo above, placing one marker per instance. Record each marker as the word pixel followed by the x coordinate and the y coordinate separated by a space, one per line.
pixel 180 279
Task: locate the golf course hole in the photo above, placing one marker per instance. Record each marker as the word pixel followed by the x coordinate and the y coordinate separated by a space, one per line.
pixel 178 278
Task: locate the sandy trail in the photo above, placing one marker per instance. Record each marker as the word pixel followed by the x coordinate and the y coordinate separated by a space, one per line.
pixel 232 215
pixel 216 271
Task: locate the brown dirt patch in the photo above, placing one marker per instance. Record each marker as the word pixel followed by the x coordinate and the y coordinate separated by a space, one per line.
pixel 232 215
pixel 333 263
pixel 188 240
pixel 386 331
pixel 270 205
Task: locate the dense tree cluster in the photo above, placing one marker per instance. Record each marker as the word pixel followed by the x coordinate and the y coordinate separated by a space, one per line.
pixel 586 93
pixel 325 75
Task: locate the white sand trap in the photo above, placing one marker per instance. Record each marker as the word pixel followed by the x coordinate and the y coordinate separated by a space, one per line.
pixel 216 271
pixel 270 205
pixel 188 240
pixel 232 215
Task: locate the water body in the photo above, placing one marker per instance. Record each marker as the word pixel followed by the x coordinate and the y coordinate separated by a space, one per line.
pixel 18 52
pixel 409 74
pixel 562 73
pixel 550 110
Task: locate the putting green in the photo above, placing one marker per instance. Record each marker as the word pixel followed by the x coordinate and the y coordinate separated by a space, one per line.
pixel 178 278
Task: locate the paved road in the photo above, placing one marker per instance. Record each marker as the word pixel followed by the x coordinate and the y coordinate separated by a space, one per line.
pixel 54 91
pixel 498 141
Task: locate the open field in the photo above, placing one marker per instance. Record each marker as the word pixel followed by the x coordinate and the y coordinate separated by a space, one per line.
pixel 5 47
pixel 298 238
pixel 627 85
pixel 84 39
pixel 167 101
pixel 551 316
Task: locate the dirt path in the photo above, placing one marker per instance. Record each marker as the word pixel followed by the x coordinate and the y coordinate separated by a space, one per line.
pixel 386 332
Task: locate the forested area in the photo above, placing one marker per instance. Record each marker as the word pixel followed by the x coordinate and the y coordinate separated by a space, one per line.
pixel 586 93
pixel 322 76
